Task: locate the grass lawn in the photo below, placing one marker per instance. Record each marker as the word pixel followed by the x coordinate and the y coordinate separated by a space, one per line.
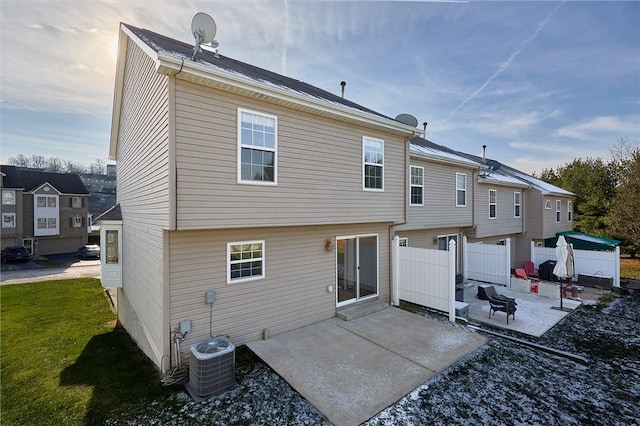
pixel 64 361
pixel 630 268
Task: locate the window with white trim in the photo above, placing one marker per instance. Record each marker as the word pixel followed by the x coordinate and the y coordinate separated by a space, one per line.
pixel 257 147
pixel 46 215
pixel 76 222
pixel 403 242
pixel 76 202
pixel 493 204
pixel 558 211
pixel 245 261
pixel 372 164
pixel 547 204
pixel 8 220
pixel 8 197
pixel 417 186
pixel 517 204
pixel 569 211
pixel 461 189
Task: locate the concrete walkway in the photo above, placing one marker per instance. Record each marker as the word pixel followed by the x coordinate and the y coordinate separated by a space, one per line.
pixel 352 370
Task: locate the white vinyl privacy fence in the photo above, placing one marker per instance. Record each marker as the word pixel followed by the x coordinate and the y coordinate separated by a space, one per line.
pixel 604 264
pixel 425 277
pixel 487 262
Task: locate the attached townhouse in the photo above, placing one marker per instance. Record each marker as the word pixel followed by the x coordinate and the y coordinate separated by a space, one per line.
pixel 453 194
pixel 249 203
pixel 45 212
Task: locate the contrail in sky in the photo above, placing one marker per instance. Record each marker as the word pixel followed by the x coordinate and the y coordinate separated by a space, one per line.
pixel 505 64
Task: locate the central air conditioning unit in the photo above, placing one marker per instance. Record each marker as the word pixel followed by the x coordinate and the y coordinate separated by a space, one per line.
pixel 212 368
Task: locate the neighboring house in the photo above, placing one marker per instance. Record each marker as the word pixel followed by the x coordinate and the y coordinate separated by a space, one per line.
pixel 277 196
pixel 454 194
pixel 440 197
pixel 45 212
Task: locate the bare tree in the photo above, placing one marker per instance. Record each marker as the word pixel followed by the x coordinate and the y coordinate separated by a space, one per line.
pixel 98 167
pixel 19 161
pixel 54 165
pixel 38 162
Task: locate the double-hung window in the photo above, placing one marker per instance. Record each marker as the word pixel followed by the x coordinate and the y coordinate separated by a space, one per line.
pixel 461 189
pixel 417 186
pixel 8 197
pixel 245 261
pixel 569 211
pixel 76 202
pixel 558 211
pixel 257 147
pixel 8 220
pixel 493 204
pixel 517 203
pixel 372 164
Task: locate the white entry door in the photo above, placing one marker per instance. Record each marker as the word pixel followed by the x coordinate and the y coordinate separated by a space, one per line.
pixel 357 268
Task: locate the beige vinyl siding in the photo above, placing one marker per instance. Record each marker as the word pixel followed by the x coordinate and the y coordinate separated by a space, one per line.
pixel 428 238
pixel 550 224
pixel 439 209
pixel 319 168
pixel 293 293
pixel 534 213
pixel 143 194
pixel 504 223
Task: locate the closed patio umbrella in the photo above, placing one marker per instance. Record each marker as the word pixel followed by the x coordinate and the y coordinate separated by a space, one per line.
pixel 564 265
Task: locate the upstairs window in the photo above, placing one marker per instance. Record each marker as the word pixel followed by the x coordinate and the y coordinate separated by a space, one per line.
pixel 558 211
pixel 493 204
pixel 76 202
pixel 417 186
pixel 257 152
pixel 373 164
pixel 569 211
pixel 76 222
pixel 461 190
pixel 516 204
pixel 8 197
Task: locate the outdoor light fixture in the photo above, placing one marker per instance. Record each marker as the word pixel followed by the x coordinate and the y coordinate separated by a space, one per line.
pixel 328 244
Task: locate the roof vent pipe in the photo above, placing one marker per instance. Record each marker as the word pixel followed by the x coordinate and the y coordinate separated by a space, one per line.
pixel 424 126
pixel 484 148
pixel 342 84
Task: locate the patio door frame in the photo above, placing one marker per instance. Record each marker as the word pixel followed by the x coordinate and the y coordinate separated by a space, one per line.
pixel 358 265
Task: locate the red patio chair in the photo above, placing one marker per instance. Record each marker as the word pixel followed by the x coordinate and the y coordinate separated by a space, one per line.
pixel 531 270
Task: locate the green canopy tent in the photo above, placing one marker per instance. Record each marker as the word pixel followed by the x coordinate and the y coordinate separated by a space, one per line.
pixel 582 241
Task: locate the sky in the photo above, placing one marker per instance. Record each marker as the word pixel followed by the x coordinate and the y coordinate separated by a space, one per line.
pixel 540 83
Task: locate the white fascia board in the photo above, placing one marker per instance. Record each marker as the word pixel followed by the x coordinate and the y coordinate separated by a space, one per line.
pixel 496 182
pixel 170 64
pixel 36 189
pixel 447 160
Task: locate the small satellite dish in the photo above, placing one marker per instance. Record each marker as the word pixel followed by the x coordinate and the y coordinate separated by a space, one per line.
pixel 493 165
pixel 407 119
pixel 203 28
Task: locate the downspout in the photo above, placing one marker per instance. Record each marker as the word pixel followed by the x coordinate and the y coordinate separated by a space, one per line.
pixel 407 162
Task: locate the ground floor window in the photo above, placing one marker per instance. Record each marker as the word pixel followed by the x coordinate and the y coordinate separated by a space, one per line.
pixel 245 261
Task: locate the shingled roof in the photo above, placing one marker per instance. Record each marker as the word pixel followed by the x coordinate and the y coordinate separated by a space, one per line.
pixel 65 183
pixel 164 44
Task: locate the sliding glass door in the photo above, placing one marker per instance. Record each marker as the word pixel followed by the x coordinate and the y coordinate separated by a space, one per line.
pixel 357 268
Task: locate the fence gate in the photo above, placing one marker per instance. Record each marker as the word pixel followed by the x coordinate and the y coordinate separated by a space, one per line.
pixel 487 262
pixel 425 277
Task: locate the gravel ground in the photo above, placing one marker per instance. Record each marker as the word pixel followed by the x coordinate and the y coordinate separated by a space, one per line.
pixel 502 383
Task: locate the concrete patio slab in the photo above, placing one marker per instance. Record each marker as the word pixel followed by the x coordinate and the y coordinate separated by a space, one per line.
pixel 352 370
pixel 534 315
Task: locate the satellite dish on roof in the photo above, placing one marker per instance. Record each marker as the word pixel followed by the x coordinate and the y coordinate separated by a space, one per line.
pixel 203 28
pixel 407 119
pixel 493 165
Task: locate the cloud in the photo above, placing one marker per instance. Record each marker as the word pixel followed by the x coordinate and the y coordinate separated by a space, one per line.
pixel 602 128
pixel 503 67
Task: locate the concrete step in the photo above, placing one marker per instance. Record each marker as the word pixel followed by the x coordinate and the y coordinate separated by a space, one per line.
pixel 359 310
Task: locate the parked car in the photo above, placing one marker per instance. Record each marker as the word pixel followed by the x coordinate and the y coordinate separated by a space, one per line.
pixel 88 251
pixel 15 254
